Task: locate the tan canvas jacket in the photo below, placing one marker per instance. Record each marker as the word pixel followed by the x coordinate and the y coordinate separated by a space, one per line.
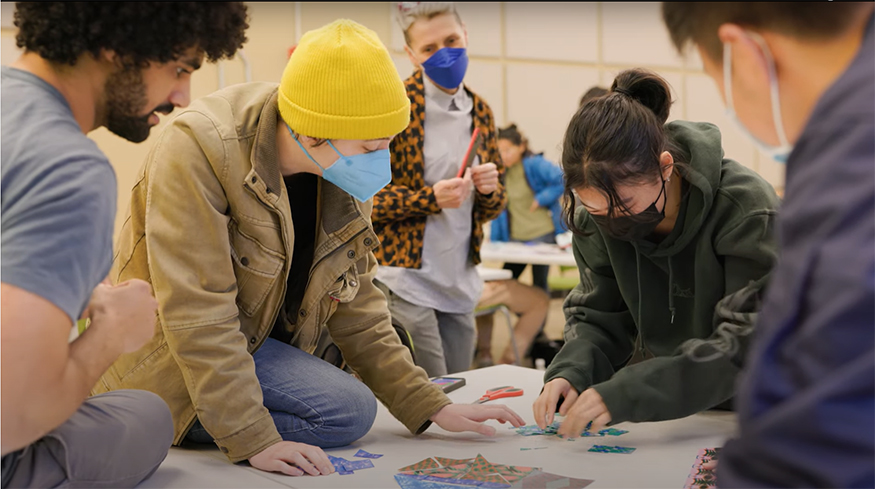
pixel 210 227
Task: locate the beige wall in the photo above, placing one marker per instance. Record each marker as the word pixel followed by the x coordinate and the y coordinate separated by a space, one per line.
pixel 531 62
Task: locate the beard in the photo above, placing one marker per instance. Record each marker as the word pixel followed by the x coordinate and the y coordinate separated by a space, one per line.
pixel 125 94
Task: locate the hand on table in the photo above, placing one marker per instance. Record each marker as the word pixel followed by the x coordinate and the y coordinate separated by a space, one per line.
pixel 485 178
pixel 470 417
pixel 589 406
pixel 291 458
pixel 544 407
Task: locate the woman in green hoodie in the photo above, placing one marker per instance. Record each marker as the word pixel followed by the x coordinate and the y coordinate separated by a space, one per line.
pixel 674 244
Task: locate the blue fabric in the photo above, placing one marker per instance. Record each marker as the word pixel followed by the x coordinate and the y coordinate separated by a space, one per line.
pixel 806 401
pixel 310 400
pixel 57 194
pixel 546 182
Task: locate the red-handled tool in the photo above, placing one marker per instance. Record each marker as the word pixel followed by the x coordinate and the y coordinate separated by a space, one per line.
pixel 473 146
pixel 499 393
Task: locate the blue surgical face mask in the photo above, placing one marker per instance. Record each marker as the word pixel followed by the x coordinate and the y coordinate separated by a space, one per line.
pixel 361 176
pixel 447 67
pixel 778 153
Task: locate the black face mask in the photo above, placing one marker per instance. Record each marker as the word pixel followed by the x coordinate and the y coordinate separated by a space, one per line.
pixel 635 227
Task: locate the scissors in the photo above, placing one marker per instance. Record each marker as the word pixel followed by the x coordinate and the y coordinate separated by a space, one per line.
pixel 499 393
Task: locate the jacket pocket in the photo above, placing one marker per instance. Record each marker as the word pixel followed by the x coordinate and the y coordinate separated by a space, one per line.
pixel 256 269
pixel 346 287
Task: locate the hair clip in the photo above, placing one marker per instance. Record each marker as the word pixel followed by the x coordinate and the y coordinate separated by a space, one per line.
pixel 407 6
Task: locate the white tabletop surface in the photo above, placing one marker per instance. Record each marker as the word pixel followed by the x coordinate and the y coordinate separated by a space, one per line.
pixel 535 254
pixel 491 274
pixel 665 451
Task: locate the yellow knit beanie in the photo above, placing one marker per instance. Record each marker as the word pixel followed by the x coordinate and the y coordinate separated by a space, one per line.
pixel 340 83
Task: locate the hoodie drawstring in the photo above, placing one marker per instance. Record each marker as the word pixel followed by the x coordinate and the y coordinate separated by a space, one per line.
pixel 640 300
pixel 670 287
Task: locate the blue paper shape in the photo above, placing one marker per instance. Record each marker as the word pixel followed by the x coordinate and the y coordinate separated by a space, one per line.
pixel 357 464
pixel 364 454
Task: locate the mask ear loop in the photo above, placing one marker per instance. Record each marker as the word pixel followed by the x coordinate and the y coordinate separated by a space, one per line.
pixel 335 149
pixel 773 87
pixel 295 137
pixel 662 192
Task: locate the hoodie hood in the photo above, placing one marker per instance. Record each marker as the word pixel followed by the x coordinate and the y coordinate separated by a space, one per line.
pixel 701 148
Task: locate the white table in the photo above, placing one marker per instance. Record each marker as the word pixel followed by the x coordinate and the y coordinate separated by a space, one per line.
pixel 493 274
pixel 665 450
pixel 535 254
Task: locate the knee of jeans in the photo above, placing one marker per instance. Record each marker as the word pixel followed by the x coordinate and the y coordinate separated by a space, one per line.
pixel 359 410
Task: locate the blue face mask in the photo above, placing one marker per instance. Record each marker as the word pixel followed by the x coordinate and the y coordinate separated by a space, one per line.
pixel 781 152
pixel 361 176
pixel 447 67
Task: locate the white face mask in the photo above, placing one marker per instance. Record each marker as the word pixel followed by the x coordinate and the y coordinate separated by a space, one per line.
pixel 778 153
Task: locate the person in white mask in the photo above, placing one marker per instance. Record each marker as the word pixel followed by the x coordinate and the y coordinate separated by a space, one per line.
pixel 800 79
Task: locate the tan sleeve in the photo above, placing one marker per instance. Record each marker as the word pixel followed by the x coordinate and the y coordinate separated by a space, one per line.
pixel 194 281
pixel 362 329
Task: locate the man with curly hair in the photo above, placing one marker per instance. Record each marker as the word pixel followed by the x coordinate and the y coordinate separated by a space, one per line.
pixel 85 66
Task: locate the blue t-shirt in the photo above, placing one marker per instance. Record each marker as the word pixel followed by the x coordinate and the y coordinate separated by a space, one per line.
pixel 57 196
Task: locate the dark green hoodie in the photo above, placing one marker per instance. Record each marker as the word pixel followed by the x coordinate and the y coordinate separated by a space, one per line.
pixel 687 304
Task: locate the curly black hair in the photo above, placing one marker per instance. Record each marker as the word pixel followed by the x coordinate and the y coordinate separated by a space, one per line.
pixel 138 32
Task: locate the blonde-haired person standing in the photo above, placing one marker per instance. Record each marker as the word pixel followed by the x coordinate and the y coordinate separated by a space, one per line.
pixel 251 221
pixel 428 219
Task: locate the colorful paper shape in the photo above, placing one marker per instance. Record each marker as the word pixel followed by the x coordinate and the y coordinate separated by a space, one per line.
pixel 452 461
pixel 553 429
pixel 414 482
pixel 478 473
pixel 428 463
pixel 610 449
pixel 539 479
pixel 701 478
pixel 357 464
pixel 364 454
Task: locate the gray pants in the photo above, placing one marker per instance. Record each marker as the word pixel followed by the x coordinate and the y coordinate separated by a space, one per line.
pixel 116 439
pixel 442 342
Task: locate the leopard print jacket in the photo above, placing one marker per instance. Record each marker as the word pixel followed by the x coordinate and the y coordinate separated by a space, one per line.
pixel 401 208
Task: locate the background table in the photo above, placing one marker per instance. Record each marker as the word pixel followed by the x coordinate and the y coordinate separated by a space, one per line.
pixel 492 274
pixel 535 254
pixel 664 454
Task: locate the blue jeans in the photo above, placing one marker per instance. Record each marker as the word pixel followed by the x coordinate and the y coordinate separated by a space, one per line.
pixel 310 400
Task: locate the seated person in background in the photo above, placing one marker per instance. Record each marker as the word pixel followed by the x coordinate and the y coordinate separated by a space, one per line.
pixel 534 193
pixel 592 93
pixel 674 244
pixel 529 303
pixel 251 219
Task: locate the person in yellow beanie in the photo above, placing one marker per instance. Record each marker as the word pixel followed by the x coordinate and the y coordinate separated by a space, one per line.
pixel 251 220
